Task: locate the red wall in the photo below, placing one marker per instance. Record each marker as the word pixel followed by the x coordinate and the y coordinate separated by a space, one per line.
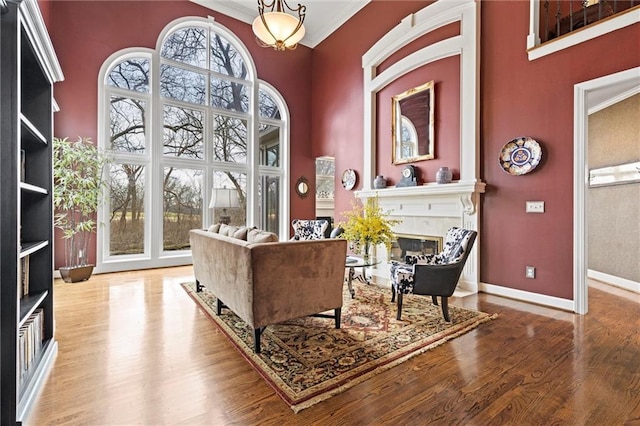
pixel 324 91
pixel 518 97
pixel 86 33
pixel 337 97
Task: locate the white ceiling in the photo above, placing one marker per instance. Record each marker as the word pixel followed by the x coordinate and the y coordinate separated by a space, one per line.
pixel 322 17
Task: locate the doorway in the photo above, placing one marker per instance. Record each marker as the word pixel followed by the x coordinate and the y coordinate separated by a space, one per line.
pixel 590 96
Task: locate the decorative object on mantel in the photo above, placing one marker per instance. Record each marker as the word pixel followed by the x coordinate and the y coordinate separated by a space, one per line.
pixel 409 177
pixel 367 225
pixel 349 179
pixel 276 28
pixel 335 360
pixel 520 156
pixel 444 175
pixel 379 182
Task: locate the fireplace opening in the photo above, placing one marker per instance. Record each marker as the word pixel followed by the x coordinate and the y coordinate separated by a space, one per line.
pixel 406 245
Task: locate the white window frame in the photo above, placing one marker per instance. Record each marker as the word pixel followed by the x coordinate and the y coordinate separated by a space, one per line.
pixel 155 161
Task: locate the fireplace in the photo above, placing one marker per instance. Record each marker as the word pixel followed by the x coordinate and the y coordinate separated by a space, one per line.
pixel 407 244
pixel 426 212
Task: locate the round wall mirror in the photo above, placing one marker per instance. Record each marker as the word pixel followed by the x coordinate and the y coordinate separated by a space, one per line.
pixel 302 187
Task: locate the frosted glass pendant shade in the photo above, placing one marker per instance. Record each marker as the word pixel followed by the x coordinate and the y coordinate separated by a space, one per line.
pixel 279 30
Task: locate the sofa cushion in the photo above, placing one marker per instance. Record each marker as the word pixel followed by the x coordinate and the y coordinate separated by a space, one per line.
pixel 227 230
pixel 259 236
pixel 241 233
pixel 214 228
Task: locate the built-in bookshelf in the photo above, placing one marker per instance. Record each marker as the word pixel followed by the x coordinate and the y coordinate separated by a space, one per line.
pixel 28 70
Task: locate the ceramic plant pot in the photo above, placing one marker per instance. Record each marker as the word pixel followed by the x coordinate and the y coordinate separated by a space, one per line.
pixel 74 274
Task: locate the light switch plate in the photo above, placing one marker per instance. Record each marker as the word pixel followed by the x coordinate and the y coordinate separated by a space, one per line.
pixel 535 207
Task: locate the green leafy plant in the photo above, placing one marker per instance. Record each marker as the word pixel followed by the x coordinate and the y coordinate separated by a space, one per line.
pixel 368 225
pixel 78 183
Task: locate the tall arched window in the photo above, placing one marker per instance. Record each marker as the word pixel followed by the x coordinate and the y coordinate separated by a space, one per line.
pixel 194 138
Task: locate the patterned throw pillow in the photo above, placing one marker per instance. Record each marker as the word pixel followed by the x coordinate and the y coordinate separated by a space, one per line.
pixel 309 229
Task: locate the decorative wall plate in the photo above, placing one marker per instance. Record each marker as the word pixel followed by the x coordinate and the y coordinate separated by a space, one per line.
pixel 349 179
pixel 519 156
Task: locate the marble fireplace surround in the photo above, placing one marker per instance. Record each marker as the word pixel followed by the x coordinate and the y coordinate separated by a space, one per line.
pixel 430 210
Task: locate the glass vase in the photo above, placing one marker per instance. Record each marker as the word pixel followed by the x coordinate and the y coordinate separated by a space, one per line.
pixel 365 251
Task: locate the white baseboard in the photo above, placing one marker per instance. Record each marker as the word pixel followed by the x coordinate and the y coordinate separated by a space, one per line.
pixel 526 296
pixel 614 281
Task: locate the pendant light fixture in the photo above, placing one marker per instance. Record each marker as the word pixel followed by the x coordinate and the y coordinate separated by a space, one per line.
pixel 276 28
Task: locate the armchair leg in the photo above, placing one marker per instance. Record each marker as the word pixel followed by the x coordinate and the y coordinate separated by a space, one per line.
pixel 393 293
pixel 338 313
pixel 399 314
pixel 198 286
pixel 219 306
pixel 445 308
pixel 435 300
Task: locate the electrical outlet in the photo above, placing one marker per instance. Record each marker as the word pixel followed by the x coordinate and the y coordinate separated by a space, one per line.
pixel 535 207
pixel 530 272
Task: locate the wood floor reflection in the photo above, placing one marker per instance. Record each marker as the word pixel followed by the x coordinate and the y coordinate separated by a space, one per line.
pixel 135 350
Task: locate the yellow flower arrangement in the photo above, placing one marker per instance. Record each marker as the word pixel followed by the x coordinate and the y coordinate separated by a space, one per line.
pixel 368 225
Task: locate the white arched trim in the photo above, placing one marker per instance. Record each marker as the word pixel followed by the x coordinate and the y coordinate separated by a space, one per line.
pixel 466 45
pixel 462 196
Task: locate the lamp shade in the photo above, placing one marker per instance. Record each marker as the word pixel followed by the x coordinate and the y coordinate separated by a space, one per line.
pixel 280 30
pixel 224 198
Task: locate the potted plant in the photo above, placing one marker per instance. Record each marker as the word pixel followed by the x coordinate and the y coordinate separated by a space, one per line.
pixel 78 182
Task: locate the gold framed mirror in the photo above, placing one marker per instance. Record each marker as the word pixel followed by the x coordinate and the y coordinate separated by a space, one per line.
pixel 302 187
pixel 412 124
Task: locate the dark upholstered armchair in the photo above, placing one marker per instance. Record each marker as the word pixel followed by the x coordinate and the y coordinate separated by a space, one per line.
pixel 433 274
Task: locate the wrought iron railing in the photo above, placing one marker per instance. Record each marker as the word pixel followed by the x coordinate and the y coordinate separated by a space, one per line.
pixel 560 17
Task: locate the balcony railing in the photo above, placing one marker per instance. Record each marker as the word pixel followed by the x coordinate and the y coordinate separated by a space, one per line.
pixel 560 17
pixel 555 25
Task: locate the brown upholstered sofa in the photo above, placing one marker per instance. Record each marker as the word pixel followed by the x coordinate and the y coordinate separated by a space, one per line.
pixel 266 283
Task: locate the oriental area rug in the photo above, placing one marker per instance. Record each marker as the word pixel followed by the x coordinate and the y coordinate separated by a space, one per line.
pixel 308 360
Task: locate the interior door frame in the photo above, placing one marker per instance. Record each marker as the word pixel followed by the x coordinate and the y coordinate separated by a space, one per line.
pixel 589 97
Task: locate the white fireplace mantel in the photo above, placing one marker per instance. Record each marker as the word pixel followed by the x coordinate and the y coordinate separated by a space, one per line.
pixel 399 199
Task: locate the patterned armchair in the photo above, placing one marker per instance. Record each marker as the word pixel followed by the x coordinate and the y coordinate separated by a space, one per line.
pixel 309 229
pixel 433 274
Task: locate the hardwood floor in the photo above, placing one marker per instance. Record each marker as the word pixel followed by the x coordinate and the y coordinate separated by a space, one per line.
pixel 135 349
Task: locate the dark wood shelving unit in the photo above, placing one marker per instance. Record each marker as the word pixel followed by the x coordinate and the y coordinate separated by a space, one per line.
pixel 28 70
